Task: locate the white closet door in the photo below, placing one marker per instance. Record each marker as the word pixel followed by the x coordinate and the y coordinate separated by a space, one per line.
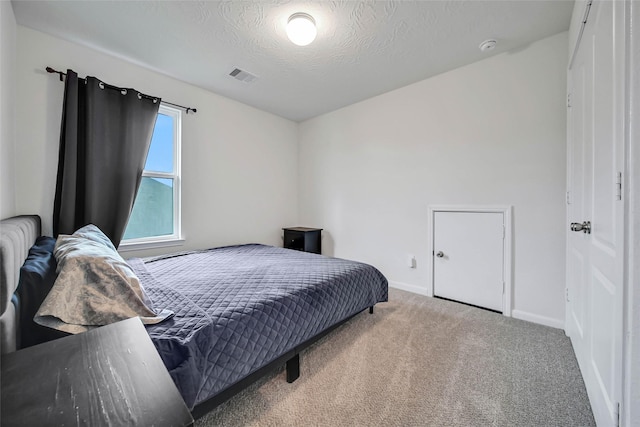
pixel 468 257
pixel 595 163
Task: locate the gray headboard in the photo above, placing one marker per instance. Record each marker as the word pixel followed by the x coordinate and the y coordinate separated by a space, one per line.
pixel 17 235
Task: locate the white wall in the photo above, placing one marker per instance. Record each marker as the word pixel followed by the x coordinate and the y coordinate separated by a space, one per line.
pixel 7 109
pixel 490 133
pixel 238 163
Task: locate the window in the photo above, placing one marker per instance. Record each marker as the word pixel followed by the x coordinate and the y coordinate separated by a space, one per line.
pixel 155 219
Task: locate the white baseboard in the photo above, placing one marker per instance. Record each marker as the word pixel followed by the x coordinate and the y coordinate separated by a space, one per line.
pixel 535 318
pixel 410 288
pixel 517 314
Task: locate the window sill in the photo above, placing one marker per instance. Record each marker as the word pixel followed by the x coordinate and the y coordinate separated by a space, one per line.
pixel 137 246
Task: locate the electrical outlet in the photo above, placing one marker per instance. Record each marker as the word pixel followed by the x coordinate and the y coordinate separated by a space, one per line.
pixel 411 261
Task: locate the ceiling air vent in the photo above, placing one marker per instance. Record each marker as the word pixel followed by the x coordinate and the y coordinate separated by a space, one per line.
pixel 242 75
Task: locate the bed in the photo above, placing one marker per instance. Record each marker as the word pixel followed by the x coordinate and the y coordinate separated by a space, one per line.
pixel 240 311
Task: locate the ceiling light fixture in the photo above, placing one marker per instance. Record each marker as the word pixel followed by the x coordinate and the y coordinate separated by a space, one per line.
pixel 301 29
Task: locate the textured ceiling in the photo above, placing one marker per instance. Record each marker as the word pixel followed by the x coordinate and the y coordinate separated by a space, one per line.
pixel 363 48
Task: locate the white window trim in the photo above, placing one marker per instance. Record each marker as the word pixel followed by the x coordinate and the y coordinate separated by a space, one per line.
pixel 149 244
pixel 176 238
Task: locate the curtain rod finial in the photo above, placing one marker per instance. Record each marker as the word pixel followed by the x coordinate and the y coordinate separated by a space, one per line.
pixel 51 70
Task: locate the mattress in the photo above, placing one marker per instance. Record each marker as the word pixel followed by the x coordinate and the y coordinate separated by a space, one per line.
pixel 238 308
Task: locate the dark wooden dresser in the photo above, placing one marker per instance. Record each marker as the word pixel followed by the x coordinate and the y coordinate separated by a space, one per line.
pixel 109 376
pixel 303 239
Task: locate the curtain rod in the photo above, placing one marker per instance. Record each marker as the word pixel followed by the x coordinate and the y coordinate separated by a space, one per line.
pixel 186 109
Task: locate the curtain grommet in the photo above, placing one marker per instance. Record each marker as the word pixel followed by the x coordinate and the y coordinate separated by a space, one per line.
pixel 101 85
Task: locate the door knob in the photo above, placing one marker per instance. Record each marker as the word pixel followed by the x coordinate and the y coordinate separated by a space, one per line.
pixel 439 254
pixel 585 227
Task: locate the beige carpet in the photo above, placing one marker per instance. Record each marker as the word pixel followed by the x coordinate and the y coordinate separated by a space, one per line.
pixel 420 361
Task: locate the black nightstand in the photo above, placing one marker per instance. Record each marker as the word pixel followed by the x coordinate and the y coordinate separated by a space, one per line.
pixel 108 376
pixel 303 239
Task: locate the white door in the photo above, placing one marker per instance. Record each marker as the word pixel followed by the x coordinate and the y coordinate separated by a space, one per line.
pixel 468 256
pixel 595 163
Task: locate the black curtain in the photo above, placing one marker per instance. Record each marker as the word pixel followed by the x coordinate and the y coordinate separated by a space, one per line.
pixel 104 140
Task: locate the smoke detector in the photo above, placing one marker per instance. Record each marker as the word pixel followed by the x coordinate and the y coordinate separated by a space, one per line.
pixel 488 45
pixel 243 76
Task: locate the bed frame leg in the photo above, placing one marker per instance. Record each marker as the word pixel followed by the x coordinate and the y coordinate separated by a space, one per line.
pixel 371 310
pixel 293 368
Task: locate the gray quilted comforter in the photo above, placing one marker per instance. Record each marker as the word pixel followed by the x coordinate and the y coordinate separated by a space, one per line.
pixel 238 308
